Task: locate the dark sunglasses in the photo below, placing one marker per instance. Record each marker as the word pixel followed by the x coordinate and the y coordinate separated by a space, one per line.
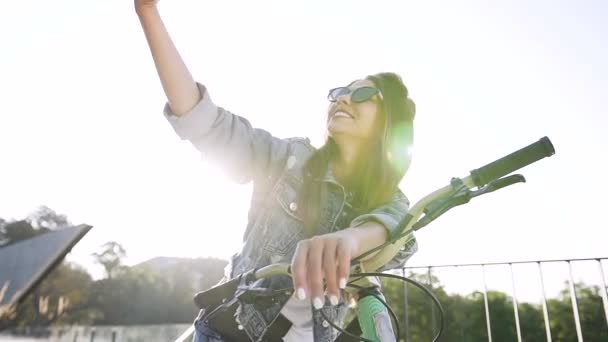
pixel 358 95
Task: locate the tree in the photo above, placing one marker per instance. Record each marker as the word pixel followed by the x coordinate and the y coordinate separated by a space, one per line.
pixel 46 218
pixel 42 220
pixel 110 257
pixel 465 317
pixel 154 294
pixel 16 231
pixel 590 307
pixel 61 298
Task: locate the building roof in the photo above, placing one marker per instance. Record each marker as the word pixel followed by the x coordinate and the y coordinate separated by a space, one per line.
pixel 25 263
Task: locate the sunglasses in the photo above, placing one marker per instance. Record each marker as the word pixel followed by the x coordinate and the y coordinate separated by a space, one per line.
pixel 357 95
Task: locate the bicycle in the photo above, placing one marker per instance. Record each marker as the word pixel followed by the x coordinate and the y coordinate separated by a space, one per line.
pixel 486 179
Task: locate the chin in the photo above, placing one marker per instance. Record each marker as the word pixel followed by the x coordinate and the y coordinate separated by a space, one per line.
pixel 332 130
pixel 337 126
pixel 336 134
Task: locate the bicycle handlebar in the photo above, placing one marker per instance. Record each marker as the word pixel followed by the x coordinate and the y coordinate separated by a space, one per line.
pixel 514 161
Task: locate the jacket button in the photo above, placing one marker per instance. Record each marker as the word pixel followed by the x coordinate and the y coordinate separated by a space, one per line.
pixel 293 206
pixel 325 324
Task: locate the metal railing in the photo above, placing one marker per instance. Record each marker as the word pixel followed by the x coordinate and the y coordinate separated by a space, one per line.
pixel 484 284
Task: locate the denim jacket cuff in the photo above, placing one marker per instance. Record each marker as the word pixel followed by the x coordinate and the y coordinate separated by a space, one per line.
pixel 388 221
pixel 197 120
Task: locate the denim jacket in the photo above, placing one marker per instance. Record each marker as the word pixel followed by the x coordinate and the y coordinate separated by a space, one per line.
pixel 275 223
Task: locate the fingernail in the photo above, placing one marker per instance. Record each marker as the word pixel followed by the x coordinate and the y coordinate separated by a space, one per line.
pixel 317 303
pixel 333 300
pixel 301 294
pixel 342 283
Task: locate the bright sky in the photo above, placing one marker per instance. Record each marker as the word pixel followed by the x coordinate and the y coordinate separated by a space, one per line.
pixel 81 128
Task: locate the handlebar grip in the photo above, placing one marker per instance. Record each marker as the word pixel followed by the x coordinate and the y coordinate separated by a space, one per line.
pixel 514 161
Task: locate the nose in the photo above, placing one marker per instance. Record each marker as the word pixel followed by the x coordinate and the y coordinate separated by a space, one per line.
pixel 344 99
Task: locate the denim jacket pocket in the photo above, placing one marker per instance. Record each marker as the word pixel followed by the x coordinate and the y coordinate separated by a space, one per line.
pixel 284 223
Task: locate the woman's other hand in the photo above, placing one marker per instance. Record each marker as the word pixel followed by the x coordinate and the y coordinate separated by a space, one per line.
pixel 323 258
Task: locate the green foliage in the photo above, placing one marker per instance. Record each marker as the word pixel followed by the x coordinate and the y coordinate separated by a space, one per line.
pixel 61 298
pixel 465 318
pixel 141 295
pixel 591 314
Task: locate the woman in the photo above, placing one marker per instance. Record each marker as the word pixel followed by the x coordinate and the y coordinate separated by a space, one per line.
pixel 314 208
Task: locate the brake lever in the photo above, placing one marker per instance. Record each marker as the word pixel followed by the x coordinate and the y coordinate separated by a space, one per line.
pixel 460 195
pixel 499 184
pixel 463 195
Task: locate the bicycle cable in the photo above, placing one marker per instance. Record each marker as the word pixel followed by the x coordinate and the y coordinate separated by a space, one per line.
pixel 394 317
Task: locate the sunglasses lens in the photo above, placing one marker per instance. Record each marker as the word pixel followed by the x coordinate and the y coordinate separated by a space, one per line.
pixel 337 92
pixel 363 94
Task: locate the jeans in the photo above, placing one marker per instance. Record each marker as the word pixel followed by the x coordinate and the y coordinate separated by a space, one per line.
pixel 203 333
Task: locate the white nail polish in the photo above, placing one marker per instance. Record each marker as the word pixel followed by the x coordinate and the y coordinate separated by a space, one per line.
pixel 301 294
pixel 333 300
pixel 317 303
pixel 342 283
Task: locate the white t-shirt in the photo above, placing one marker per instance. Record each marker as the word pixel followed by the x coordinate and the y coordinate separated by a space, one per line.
pixel 299 313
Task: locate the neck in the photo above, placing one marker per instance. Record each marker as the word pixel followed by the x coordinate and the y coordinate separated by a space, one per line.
pixel 345 162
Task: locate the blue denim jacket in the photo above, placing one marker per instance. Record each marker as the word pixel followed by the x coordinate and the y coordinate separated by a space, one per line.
pixel 275 223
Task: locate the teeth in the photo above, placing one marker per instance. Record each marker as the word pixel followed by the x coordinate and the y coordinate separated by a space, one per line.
pixel 340 113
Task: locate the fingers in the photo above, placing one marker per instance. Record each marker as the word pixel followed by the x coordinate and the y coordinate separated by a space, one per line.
pixel 343 255
pixel 330 270
pixel 321 260
pixel 315 271
pixel 299 270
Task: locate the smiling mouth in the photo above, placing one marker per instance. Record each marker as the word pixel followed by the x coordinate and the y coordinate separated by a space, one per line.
pixel 341 113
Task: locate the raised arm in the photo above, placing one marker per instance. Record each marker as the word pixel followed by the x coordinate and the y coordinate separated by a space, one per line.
pixel 244 152
pixel 177 82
